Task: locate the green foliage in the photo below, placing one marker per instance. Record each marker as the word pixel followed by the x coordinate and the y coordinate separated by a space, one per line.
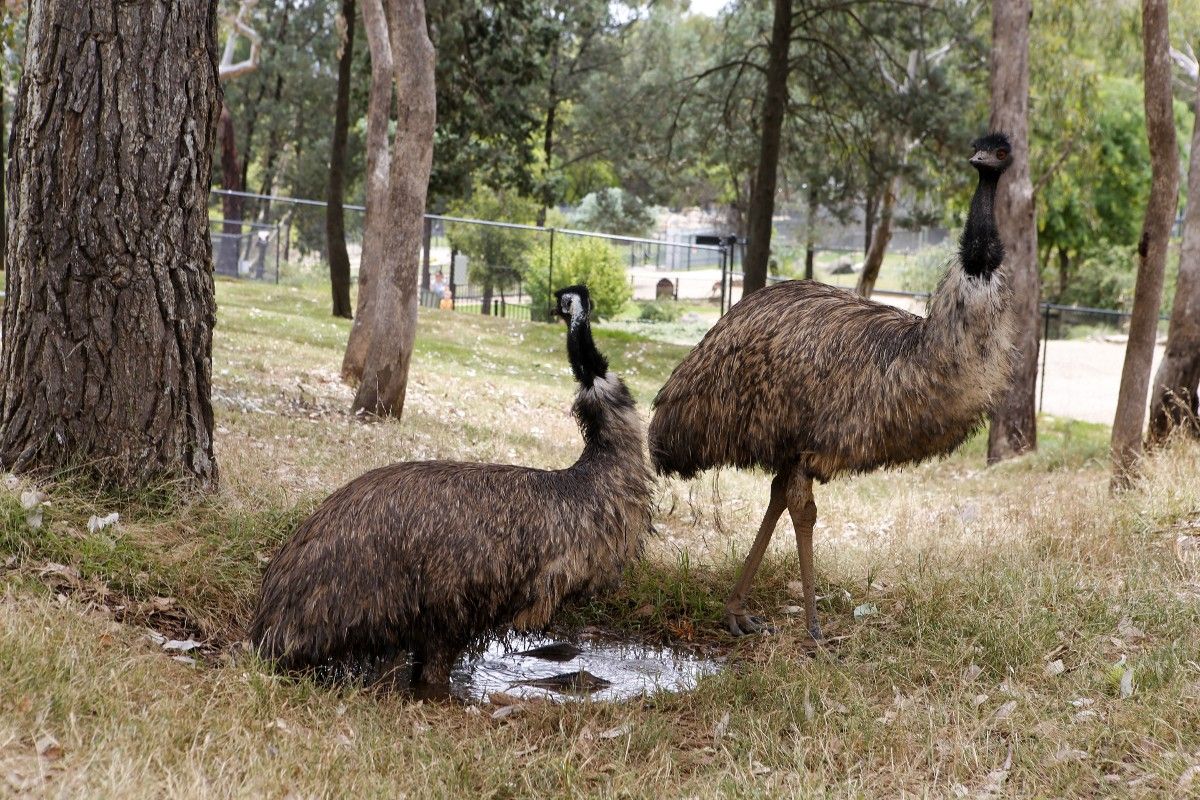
pixel 922 272
pixel 580 259
pixel 613 210
pixel 497 256
pixel 660 311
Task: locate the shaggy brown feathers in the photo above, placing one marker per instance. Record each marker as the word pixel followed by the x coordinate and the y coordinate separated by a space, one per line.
pixel 805 375
pixel 428 556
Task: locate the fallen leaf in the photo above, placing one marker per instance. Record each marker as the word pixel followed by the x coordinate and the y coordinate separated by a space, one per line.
pixel 757 768
pixel 1055 668
pixel 32 499
pixel 1067 754
pixel 508 711
pixel 1127 683
pixel 48 747
pixel 720 728
pixel 504 699
pixel 1188 777
pixel 795 588
pixel 191 662
pixel 1083 702
pixel 1127 631
pixel 182 645
pixel 96 523
pixel 972 672
pixel 791 609
pixel 979 700
pixel 1087 715
pixel 865 610
pixel 617 732
pixel 1005 711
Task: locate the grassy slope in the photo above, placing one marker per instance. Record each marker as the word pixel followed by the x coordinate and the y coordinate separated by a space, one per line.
pixel 997 572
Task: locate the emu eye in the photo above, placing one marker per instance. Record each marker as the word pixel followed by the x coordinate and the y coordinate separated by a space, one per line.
pixel 1001 154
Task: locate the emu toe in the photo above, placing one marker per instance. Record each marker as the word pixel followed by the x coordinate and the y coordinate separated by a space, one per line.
pixel 814 630
pixel 743 624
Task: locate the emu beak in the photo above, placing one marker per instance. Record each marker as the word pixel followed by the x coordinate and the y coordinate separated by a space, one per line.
pixel 979 158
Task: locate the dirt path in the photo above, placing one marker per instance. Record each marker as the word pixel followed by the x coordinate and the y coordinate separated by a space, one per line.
pixel 1082 379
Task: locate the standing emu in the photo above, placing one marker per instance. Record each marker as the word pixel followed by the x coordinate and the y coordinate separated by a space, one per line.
pixel 426 557
pixel 809 382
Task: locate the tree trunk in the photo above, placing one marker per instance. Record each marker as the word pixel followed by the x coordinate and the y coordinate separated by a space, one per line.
pixel 385 375
pixel 810 233
pixel 879 239
pixel 868 222
pixel 3 175
pixel 1152 247
pixel 548 136
pixel 108 326
pixel 379 106
pixel 1013 428
pixel 231 205
pixel 1174 402
pixel 485 306
pixel 335 215
pixel 762 196
pixel 1064 273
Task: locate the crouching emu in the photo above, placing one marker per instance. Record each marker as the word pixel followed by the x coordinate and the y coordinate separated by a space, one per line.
pixel 809 382
pixel 426 557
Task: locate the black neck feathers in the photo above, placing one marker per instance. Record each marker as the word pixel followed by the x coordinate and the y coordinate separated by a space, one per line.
pixel 980 249
pixel 575 306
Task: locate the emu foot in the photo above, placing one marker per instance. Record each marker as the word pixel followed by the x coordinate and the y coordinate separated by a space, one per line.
pixel 814 630
pixel 742 624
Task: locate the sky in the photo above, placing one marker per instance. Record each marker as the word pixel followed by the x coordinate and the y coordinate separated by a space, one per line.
pixel 707 7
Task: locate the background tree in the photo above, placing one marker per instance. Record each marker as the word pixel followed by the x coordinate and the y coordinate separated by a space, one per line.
pixel 335 214
pixel 1013 427
pixel 496 255
pixel 108 320
pixel 394 320
pixel 613 210
pixel 1152 248
pixel 1174 399
pixel 379 108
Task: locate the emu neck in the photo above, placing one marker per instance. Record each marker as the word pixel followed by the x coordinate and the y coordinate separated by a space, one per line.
pixel 586 361
pixel 980 249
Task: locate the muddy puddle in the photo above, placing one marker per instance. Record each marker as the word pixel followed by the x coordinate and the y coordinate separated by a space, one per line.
pixel 556 669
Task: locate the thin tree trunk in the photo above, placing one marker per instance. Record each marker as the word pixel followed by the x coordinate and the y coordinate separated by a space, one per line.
pixel 335 214
pixel 1013 428
pixel 879 239
pixel 1064 273
pixel 379 106
pixel 231 205
pixel 810 233
pixel 868 222
pixel 3 174
pixel 485 306
pixel 1174 402
pixel 108 326
pixel 1152 248
pixel 385 376
pixel 762 196
pixel 548 137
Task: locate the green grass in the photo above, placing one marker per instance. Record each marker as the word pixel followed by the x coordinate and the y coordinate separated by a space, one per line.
pixel 981 577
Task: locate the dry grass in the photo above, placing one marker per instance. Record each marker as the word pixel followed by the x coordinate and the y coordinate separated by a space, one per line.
pixel 983 580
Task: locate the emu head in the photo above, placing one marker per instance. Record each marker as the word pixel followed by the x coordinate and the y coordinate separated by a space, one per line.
pixel 992 154
pixel 573 304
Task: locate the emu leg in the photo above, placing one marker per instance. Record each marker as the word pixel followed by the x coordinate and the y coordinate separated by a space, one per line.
pixel 433 679
pixel 739 621
pixel 803 509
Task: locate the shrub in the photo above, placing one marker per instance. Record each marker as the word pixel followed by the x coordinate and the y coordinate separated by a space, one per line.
pixel 660 311
pixel 613 211
pixel 580 259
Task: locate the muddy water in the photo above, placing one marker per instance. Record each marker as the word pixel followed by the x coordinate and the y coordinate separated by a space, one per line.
pixel 540 667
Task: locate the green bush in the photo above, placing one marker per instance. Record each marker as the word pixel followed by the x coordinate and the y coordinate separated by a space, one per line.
pixel 922 272
pixel 660 311
pixel 613 210
pixel 579 259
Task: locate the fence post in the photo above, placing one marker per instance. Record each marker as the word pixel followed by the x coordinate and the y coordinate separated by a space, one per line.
pixel 550 280
pixel 724 270
pixel 426 244
pixel 277 234
pixel 1045 347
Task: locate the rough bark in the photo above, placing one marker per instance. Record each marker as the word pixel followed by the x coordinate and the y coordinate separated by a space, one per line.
pixel 1152 247
pixel 1013 428
pixel 231 205
pixel 3 176
pixel 1174 402
pixel 108 326
pixel 762 196
pixel 385 376
pixel 880 239
pixel 379 106
pixel 335 214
